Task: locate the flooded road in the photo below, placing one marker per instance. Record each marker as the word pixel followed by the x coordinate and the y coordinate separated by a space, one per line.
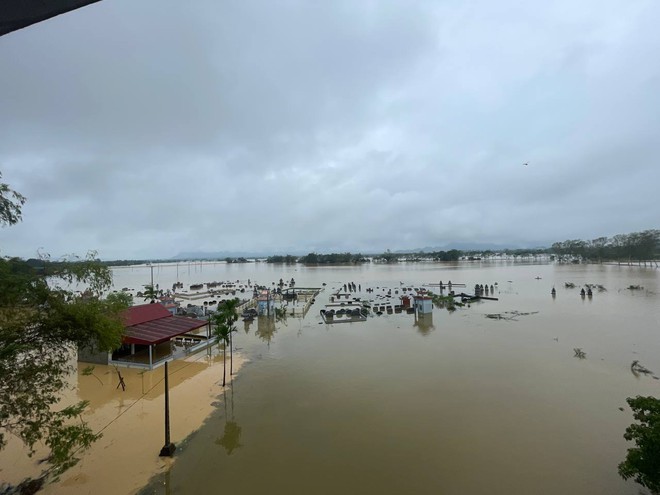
pixel 455 403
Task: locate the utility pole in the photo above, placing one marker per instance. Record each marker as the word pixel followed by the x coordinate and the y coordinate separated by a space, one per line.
pixel 169 448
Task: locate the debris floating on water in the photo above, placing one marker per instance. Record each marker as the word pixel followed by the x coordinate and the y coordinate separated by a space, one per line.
pixel 579 353
pixel 509 315
pixel 638 369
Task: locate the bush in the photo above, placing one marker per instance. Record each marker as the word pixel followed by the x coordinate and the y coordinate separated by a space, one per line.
pixel 643 461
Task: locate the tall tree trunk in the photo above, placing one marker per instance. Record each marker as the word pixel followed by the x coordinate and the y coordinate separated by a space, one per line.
pixel 231 354
pixel 224 366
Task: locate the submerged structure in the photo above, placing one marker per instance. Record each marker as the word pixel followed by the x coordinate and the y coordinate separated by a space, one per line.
pixel 152 336
pixel 423 303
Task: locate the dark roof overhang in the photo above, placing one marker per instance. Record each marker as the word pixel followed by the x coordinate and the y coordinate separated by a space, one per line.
pixel 17 14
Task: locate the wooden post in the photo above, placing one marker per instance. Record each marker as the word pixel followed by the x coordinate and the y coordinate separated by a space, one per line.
pixel 169 448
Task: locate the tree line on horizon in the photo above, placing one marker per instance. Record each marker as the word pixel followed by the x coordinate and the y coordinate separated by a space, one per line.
pixel 637 246
pixel 351 258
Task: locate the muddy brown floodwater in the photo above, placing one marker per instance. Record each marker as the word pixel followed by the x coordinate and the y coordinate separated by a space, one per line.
pixel 456 403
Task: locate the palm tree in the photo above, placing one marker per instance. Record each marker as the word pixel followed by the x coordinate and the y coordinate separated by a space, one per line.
pixel 150 292
pixel 224 321
pixel 222 335
pixel 227 313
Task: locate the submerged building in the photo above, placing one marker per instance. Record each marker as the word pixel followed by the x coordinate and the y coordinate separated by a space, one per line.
pixel 152 336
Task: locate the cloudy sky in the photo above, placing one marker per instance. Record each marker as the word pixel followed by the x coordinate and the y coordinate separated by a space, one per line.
pixel 144 129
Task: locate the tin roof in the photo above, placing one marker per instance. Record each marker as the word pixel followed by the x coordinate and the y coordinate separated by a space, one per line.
pixel 153 323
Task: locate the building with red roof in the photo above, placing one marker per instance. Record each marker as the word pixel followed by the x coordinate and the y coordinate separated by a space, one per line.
pixel 153 335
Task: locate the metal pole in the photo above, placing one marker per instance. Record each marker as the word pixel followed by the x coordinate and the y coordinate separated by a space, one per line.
pixel 169 448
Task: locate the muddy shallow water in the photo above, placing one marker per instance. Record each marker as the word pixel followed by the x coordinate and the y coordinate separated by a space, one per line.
pixel 453 404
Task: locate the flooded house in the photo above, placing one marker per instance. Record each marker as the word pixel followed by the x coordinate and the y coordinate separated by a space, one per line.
pixel 152 336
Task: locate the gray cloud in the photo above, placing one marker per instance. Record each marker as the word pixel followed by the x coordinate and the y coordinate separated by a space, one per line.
pixel 145 129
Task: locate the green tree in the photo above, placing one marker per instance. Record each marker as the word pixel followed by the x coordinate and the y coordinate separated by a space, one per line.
pixel 122 299
pixel 643 461
pixel 389 257
pixel 224 320
pixel 229 315
pixel 150 293
pixel 10 204
pixel 221 332
pixel 42 323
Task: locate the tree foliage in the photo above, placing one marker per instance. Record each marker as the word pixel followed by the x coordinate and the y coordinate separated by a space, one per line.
pixel 643 461
pixel 42 322
pixel 332 258
pixel 121 299
pixel 10 204
pixel 641 246
pixel 288 259
pixel 151 293
pixel 451 255
pixel 224 321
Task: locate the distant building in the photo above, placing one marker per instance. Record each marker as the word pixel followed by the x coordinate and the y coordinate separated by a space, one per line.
pixel 265 303
pixel 169 303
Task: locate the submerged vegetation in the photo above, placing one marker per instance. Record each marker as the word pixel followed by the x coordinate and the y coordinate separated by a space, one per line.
pixel 636 368
pixel 509 315
pixel 447 302
pixel 579 353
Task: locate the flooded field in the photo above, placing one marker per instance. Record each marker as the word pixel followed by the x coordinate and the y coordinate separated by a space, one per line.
pixel 454 403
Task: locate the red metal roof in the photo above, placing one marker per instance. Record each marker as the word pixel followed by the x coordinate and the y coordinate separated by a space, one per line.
pixel 153 323
pixel 144 312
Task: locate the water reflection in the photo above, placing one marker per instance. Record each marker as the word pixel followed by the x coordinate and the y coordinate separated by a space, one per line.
pixel 231 437
pixel 230 440
pixel 246 326
pixel 424 323
pixel 266 328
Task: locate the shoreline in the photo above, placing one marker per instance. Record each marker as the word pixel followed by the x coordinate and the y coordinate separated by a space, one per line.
pixel 131 422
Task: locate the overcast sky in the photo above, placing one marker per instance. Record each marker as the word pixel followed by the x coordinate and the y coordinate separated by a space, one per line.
pixel 143 129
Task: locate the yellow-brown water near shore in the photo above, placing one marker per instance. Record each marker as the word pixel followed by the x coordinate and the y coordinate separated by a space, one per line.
pixel 131 422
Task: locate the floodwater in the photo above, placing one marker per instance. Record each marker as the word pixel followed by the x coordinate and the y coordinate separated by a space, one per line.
pixel 453 404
